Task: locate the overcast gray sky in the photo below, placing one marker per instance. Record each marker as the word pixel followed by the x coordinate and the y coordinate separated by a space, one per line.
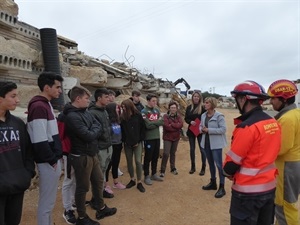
pixel 212 44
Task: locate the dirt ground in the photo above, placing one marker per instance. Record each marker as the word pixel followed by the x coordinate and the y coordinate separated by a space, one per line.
pixel 179 199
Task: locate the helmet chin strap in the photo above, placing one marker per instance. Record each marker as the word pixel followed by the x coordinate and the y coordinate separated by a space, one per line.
pixel 241 110
pixel 283 104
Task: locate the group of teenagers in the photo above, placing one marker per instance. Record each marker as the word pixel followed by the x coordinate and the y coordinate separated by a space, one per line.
pixel 263 161
pixel 86 148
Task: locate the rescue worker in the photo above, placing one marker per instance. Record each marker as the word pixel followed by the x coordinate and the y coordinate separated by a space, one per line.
pixel 282 93
pixel 250 161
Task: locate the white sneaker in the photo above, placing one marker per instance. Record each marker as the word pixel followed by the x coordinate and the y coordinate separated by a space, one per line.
pixel 147 180
pixel 156 177
pixel 120 173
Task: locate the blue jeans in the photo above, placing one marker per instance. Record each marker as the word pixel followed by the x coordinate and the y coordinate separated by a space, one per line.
pixel 192 140
pixel 214 158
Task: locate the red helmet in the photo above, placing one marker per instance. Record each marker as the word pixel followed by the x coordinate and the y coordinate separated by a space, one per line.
pixel 282 88
pixel 251 90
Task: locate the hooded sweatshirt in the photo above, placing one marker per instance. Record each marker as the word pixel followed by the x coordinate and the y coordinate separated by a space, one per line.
pixel 43 131
pixel 16 162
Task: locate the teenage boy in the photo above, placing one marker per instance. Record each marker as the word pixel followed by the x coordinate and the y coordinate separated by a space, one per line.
pixel 69 182
pixel 17 166
pixel 135 98
pixel 153 120
pixel 111 96
pixel 98 109
pixel 83 131
pixel 47 151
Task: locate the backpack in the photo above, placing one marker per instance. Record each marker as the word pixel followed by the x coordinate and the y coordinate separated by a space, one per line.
pixel 64 138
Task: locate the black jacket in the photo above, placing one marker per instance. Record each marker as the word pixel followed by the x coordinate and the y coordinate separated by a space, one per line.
pixel 190 116
pixel 101 115
pixel 83 130
pixel 16 160
pixel 133 130
pixel 138 105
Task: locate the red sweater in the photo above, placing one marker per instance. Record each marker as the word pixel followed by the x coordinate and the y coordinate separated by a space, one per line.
pixel 172 127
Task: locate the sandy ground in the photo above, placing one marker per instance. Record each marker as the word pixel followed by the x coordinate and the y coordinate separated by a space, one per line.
pixel 179 199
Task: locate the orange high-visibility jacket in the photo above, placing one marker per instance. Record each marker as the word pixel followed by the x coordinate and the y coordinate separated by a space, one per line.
pixel 254 148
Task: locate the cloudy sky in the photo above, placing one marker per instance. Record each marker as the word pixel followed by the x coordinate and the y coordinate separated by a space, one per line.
pixel 213 45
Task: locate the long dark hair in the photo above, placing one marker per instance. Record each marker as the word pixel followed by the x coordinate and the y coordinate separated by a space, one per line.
pixel 128 109
pixel 112 113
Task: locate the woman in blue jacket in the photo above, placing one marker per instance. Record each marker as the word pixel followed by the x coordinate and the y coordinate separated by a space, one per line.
pixel 213 129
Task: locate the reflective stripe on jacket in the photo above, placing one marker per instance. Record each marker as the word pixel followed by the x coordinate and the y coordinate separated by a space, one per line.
pixel 255 146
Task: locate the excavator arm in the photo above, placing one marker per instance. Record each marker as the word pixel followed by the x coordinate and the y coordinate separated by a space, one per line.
pixel 181 80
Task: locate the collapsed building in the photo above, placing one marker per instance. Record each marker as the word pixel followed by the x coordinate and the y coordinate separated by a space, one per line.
pixel 26 51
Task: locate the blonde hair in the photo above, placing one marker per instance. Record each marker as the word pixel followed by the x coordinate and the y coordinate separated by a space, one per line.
pixel 78 91
pixel 213 101
pixel 198 109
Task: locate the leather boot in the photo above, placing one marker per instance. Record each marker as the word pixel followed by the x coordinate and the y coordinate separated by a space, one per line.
pixel 211 186
pixel 221 192
pixel 202 172
pixel 193 168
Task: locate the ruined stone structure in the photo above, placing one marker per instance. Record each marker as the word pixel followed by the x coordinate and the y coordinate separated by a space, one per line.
pixel 21 61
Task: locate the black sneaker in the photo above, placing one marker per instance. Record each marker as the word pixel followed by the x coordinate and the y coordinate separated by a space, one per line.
pixel 107 195
pixel 130 184
pixel 140 187
pixel 174 171
pixel 86 221
pixel 69 216
pixel 100 214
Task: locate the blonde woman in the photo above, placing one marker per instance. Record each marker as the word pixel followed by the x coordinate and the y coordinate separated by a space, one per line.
pixel 192 118
pixel 213 128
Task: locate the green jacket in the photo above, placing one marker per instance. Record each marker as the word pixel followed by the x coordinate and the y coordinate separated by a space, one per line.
pixel 152 120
